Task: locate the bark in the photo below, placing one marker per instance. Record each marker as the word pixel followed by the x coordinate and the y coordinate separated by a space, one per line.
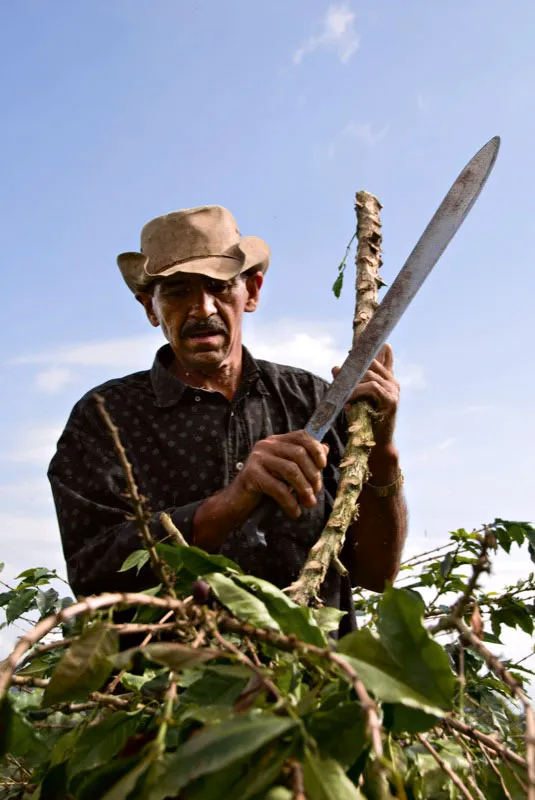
pixel 354 465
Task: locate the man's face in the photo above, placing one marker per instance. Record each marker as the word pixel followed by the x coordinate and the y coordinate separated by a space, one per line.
pixel 201 317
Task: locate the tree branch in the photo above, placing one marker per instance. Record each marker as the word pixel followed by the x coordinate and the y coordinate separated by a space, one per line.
pixel 354 465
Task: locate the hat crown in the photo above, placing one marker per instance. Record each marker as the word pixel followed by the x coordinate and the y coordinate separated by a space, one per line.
pixel 204 240
pixel 188 234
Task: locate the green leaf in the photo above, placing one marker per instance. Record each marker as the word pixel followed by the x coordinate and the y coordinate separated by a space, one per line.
pixel 37 575
pixel 325 728
pixel 216 747
pixel 195 560
pixel 293 619
pixel 121 790
pixel 20 603
pixel 338 284
pixel 84 667
pixel 136 559
pixel 98 744
pixel 446 564
pixel 382 675
pixel 423 661
pixel 241 603
pixel 175 656
pixel 326 780
pixel 18 737
pixel 5 597
pixel 214 689
pixel 403 719
pixel 46 601
pixel 328 618
pixel 97 782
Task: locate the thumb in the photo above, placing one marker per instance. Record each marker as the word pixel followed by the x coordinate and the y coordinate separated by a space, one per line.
pixel 335 371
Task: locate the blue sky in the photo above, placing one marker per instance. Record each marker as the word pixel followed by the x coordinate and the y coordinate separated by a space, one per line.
pixel 116 111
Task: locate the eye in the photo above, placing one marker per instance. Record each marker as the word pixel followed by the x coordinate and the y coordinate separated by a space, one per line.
pixel 178 290
pixel 216 287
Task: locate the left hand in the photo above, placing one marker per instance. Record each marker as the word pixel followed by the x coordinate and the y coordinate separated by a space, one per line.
pixel 381 387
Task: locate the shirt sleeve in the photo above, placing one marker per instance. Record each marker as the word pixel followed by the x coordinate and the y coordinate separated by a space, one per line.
pixel 94 515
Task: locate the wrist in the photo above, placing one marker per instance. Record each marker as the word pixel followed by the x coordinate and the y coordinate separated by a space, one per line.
pixel 383 464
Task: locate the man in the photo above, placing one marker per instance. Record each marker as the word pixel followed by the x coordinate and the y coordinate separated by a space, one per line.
pixel 209 431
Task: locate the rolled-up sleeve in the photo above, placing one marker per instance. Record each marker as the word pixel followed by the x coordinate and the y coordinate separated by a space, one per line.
pixel 95 519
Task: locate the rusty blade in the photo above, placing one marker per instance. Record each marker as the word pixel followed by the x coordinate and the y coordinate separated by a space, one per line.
pixel 432 243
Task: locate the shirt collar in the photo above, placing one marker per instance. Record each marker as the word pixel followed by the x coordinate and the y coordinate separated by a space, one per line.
pixel 169 389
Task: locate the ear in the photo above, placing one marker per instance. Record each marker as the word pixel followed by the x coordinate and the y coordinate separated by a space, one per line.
pixel 253 285
pixel 146 300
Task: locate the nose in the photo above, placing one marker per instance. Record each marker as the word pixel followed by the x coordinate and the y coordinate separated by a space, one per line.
pixel 203 305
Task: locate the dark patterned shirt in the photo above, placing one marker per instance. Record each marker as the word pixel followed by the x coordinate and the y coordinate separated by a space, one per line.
pixel 184 445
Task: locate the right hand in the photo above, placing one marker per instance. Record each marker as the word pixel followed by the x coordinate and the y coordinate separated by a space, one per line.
pixel 288 468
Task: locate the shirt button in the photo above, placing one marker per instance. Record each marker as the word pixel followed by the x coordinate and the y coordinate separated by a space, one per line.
pixel 197 398
pixel 239 465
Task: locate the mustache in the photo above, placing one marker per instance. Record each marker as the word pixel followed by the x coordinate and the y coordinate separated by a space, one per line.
pixel 206 326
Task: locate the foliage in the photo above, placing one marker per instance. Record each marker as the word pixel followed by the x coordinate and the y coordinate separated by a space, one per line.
pixel 229 687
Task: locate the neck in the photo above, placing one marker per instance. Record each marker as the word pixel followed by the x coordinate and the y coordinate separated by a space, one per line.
pixel 224 378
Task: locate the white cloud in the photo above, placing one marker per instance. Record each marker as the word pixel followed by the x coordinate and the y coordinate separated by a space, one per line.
pixel 338 35
pixel 299 343
pixel 126 352
pixel 363 132
pixel 53 380
pixel 36 446
pixel 410 376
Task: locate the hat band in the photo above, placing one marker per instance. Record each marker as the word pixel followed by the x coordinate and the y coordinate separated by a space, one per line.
pixel 189 258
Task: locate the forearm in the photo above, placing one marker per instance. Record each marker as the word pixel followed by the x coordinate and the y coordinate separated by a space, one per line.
pixel 219 515
pixel 374 543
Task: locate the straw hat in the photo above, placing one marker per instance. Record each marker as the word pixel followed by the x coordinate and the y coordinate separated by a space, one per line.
pixel 203 240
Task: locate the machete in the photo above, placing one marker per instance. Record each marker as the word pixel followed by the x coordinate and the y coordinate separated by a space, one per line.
pixel 443 226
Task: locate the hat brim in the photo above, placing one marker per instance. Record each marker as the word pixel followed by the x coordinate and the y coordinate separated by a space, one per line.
pixel 254 251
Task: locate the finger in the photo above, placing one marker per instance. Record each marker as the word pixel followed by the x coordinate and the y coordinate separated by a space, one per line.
pixel 378 390
pixel 377 369
pixel 281 493
pixel 292 475
pixel 387 357
pixel 299 455
pixel 316 450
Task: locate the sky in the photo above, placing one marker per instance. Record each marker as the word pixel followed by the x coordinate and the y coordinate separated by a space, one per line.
pixel 117 111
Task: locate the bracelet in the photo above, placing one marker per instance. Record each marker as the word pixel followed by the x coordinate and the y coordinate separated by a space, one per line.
pixel 388 490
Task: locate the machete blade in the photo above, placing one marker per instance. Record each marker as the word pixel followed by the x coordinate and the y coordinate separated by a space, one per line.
pixel 432 243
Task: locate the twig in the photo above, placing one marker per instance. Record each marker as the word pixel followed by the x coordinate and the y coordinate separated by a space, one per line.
pixel 446 768
pixel 481 566
pixel 46 648
pixel 473 733
pixel 496 772
pixel 95 698
pixel 118 678
pixel 297 779
pixel 138 502
pixel 86 606
pixel 354 465
pixel 416 559
pixel 270 686
pixel 472 779
pixel 498 668
pixel 167 716
pixel 290 644
pixel 172 529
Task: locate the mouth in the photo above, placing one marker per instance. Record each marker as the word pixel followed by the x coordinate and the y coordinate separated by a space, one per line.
pixel 204 337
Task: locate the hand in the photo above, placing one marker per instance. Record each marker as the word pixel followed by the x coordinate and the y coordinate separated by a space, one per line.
pixel 287 467
pixel 381 387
